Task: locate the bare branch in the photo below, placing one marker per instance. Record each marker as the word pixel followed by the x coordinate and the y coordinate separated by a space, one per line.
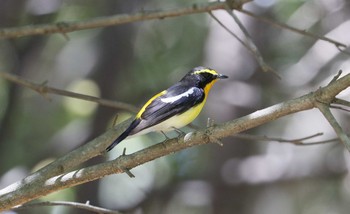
pixel 42 89
pixel 298 141
pixel 336 77
pixel 229 31
pixel 333 122
pixel 66 27
pixel 341 102
pixel 340 46
pixel 42 182
pixel 339 107
pixel 252 47
pixel 76 205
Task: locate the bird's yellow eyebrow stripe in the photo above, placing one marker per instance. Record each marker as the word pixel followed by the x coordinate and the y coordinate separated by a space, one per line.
pixel 213 72
pixel 149 102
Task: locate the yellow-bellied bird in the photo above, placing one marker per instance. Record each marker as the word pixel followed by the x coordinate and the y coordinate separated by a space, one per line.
pixel 174 107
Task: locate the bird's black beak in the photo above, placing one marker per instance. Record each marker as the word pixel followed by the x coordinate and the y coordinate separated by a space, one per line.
pixel 221 76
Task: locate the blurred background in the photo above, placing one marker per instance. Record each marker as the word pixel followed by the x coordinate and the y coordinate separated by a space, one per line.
pixel 132 62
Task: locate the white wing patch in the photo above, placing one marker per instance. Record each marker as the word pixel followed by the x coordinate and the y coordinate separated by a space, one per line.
pixel 177 97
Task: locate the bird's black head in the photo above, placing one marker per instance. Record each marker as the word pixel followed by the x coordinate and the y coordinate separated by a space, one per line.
pixel 202 76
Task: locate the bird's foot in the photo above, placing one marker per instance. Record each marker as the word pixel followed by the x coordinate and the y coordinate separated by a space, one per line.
pixel 179 131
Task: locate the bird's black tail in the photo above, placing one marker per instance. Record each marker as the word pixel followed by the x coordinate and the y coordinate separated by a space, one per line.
pixel 124 135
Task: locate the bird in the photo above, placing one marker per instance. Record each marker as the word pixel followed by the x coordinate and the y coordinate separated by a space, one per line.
pixel 174 107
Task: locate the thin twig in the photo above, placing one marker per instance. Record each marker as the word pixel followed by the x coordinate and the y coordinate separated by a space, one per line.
pixel 230 31
pixel 298 142
pixel 333 122
pixel 43 89
pixel 336 77
pixel 253 51
pixel 341 102
pixel 339 107
pixel 340 46
pixel 251 45
pixel 332 140
pixel 128 172
pixel 83 206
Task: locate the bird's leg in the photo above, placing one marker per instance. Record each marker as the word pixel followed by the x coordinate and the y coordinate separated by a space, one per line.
pixel 115 120
pixel 124 152
pixel 193 126
pixel 179 131
pixel 166 137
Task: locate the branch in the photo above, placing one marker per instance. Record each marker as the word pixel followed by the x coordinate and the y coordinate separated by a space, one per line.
pixel 42 89
pixel 298 142
pixel 66 27
pixel 252 47
pixel 42 182
pixel 340 46
pixel 77 205
pixel 341 102
pixel 323 105
pixel 333 122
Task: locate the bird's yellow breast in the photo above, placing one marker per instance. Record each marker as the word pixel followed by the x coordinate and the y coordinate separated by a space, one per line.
pixel 177 121
pixel 181 120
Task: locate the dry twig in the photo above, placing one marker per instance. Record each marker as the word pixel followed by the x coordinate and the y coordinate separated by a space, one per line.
pixel 83 206
pixel 333 122
pixel 298 141
pixel 43 90
pixel 340 46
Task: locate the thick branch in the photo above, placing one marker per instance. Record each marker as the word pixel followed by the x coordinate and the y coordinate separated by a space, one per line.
pixel 35 186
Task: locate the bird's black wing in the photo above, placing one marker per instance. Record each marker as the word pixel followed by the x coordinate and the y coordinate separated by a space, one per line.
pixel 178 99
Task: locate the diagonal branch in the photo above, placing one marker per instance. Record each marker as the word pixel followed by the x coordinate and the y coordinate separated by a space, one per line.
pixel 333 122
pixel 252 47
pixel 340 46
pixel 43 89
pixel 42 182
pixel 341 102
